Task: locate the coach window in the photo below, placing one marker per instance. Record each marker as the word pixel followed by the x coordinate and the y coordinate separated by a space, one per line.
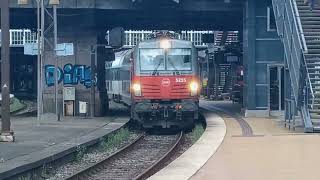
pixel 114 73
pixel 126 59
pixel 271 21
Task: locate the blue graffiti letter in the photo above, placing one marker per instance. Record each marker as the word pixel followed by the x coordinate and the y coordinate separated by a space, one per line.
pixel 49 75
pixel 68 72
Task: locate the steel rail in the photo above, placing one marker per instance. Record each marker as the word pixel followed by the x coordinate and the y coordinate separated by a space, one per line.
pixel 148 172
pixel 101 165
pixel 82 173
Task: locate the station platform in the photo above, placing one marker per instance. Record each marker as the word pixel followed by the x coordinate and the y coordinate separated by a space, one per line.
pixel 38 143
pixel 254 148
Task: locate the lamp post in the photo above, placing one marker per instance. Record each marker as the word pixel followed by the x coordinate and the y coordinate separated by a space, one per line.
pixel 92 89
pixel 40 36
pixel 6 133
pixel 39 55
pixel 55 36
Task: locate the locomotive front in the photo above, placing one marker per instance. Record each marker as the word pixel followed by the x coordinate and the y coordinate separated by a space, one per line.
pixel 165 83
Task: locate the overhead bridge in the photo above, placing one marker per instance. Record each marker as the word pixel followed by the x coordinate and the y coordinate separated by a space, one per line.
pixel 19 37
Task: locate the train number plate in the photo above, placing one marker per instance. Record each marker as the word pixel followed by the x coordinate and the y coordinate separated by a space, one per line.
pixel 181 80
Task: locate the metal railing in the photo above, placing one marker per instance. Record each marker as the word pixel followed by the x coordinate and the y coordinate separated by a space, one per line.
pixel 290 30
pixel 19 37
pixel 302 38
pixel 194 36
pixel 133 37
pixel 309 90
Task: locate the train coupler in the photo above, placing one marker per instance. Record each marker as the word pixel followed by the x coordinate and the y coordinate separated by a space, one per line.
pixel 165 113
pixel 154 113
pixel 178 115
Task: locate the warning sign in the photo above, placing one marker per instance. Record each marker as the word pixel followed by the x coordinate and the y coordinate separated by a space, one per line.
pixel 83 107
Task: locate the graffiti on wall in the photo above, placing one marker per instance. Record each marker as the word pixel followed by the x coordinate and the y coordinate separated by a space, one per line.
pixel 70 75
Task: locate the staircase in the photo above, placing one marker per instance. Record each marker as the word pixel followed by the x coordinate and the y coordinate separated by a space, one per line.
pixel 310 21
pixel 223 70
pixel 225 79
pixel 222 86
pixel 299 29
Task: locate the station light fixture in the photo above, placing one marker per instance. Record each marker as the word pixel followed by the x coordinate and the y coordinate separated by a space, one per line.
pixel 165 44
pixel 54 2
pixel 23 2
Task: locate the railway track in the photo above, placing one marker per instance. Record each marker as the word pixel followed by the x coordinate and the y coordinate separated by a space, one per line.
pixel 137 160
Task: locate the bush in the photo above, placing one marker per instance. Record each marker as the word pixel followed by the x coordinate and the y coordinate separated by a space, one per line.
pixel 81 150
pixel 115 139
pixel 197 133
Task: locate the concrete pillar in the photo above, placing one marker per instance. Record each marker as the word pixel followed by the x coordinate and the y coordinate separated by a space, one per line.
pixel 249 61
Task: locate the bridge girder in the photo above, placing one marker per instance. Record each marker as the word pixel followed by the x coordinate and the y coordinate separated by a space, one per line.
pixel 182 14
pixel 189 5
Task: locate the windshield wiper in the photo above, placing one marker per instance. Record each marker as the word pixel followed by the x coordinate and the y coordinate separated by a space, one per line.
pixel 176 71
pixel 156 69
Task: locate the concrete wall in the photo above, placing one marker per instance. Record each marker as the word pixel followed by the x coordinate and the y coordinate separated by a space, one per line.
pixel 261 48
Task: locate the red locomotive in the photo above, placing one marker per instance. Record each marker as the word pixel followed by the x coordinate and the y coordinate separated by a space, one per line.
pixel 159 80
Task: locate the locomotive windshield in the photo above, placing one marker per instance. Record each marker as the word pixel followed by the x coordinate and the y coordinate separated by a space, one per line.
pixel 151 59
pixel 170 60
pixel 179 59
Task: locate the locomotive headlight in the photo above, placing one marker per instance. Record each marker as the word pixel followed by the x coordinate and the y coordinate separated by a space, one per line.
pixel 194 87
pixel 165 44
pixel 136 87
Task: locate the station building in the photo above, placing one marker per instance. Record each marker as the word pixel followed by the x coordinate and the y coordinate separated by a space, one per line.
pixel 85 24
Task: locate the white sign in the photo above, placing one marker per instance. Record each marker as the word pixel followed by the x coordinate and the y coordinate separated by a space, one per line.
pixel 65 49
pixel 11 96
pixel 83 107
pixel 31 49
pixel 69 93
